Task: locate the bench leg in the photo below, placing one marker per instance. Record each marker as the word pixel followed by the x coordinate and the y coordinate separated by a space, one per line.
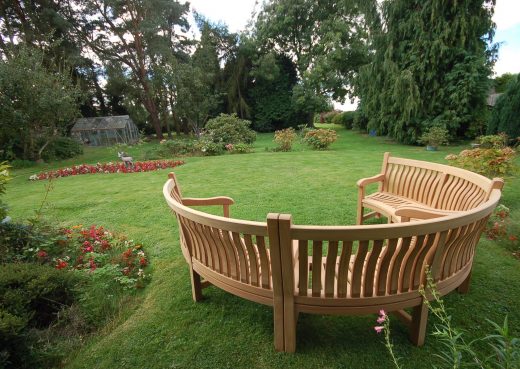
pixel 291 318
pixel 278 318
pixel 359 214
pixel 464 287
pixel 196 286
pixel 418 326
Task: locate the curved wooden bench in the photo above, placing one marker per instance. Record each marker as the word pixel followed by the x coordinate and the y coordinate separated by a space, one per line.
pixel 413 189
pixel 329 269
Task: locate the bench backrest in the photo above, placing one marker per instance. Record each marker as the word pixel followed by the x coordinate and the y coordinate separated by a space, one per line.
pixel 341 263
pixel 235 252
pixel 265 261
pixel 436 185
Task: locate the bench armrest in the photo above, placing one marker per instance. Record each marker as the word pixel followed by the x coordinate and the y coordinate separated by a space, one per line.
pixel 366 181
pixel 417 212
pixel 219 200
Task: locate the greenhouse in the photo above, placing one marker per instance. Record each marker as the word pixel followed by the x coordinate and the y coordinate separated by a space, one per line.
pixel 105 131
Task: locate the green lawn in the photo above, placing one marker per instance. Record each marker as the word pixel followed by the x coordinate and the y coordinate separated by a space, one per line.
pixel 169 330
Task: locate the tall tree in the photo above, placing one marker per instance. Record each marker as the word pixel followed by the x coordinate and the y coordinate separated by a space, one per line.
pixel 431 66
pixel 138 34
pixel 506 114
pixel 326 39
pixel 36 103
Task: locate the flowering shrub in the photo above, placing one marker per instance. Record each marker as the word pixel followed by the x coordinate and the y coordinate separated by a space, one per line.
pixel 320 139
pixel 284 139
pixel 93 248
pixel 208 147
pixel 239 148
pixel 500 228
pixel 492 158
pixel 139 166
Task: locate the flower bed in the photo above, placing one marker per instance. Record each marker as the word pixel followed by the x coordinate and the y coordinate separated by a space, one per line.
pixel 139 166
pixel 93 249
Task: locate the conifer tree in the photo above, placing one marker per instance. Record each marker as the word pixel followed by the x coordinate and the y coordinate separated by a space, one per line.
pixel 431 66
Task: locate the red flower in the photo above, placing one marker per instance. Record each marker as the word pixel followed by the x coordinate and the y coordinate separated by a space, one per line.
pixel 143 262
pixel 61 264
pixel 105 245
pixel 126 271
pixel 513 238
pixel 127 254
pixel 92 264
pixel 42 254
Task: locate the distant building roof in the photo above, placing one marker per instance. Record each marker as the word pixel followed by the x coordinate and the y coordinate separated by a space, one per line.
pixel 101 123
pixel 492 98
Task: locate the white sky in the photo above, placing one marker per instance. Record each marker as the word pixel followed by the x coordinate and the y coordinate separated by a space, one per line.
pixel 237 13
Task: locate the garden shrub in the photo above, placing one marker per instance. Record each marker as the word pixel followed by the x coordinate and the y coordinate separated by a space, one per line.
pixel 62 148
pixel 329 116
pixel 320 139
pixel 17 239
pixel 31 297
pixel 345 119
pixel 284 139
pixel 435 136
pixel 229 129
pixel 492 159
pixel 239 148
pixel 209 148
pixel 171 148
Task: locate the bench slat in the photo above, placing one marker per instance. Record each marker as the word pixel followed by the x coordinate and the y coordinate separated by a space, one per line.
pixel 343 268
pixel 330 268
pixel 317 250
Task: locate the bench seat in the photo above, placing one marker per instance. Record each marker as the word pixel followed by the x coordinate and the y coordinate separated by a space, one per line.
pixel 398 208
pixel 345 269
pixel 416 190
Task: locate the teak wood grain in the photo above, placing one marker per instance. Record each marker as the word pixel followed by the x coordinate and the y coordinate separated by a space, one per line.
pixel 437 215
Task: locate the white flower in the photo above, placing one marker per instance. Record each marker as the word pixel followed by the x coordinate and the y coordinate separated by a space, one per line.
pixel 140 254
pixel 140 273
pixel 34 177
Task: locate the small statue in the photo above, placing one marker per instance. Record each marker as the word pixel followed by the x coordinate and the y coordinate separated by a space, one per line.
pixel 128 160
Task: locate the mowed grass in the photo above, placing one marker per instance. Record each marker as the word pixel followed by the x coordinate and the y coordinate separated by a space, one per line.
pixel 169 330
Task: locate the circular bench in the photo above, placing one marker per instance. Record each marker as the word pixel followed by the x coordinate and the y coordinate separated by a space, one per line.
pixel 336 269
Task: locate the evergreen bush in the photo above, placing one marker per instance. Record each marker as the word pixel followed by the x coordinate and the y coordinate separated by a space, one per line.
pixel 32 297
pixel 506 114
pixel 229 129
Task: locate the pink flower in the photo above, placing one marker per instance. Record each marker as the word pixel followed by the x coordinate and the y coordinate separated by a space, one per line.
pixel 382 316
pixel 379 328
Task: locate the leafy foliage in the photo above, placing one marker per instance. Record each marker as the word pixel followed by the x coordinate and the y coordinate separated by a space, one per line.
pixel 435 136
pixel 284 138
pixel 345 119
pixel 506 113
pixel 36 104
pixel 492 159
pixel 4 178
pixel 272 94
pixel 501 83
pixel 327 41
pixel 431 67
pixel 229 129
pixel 320 139
pixel 32 296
